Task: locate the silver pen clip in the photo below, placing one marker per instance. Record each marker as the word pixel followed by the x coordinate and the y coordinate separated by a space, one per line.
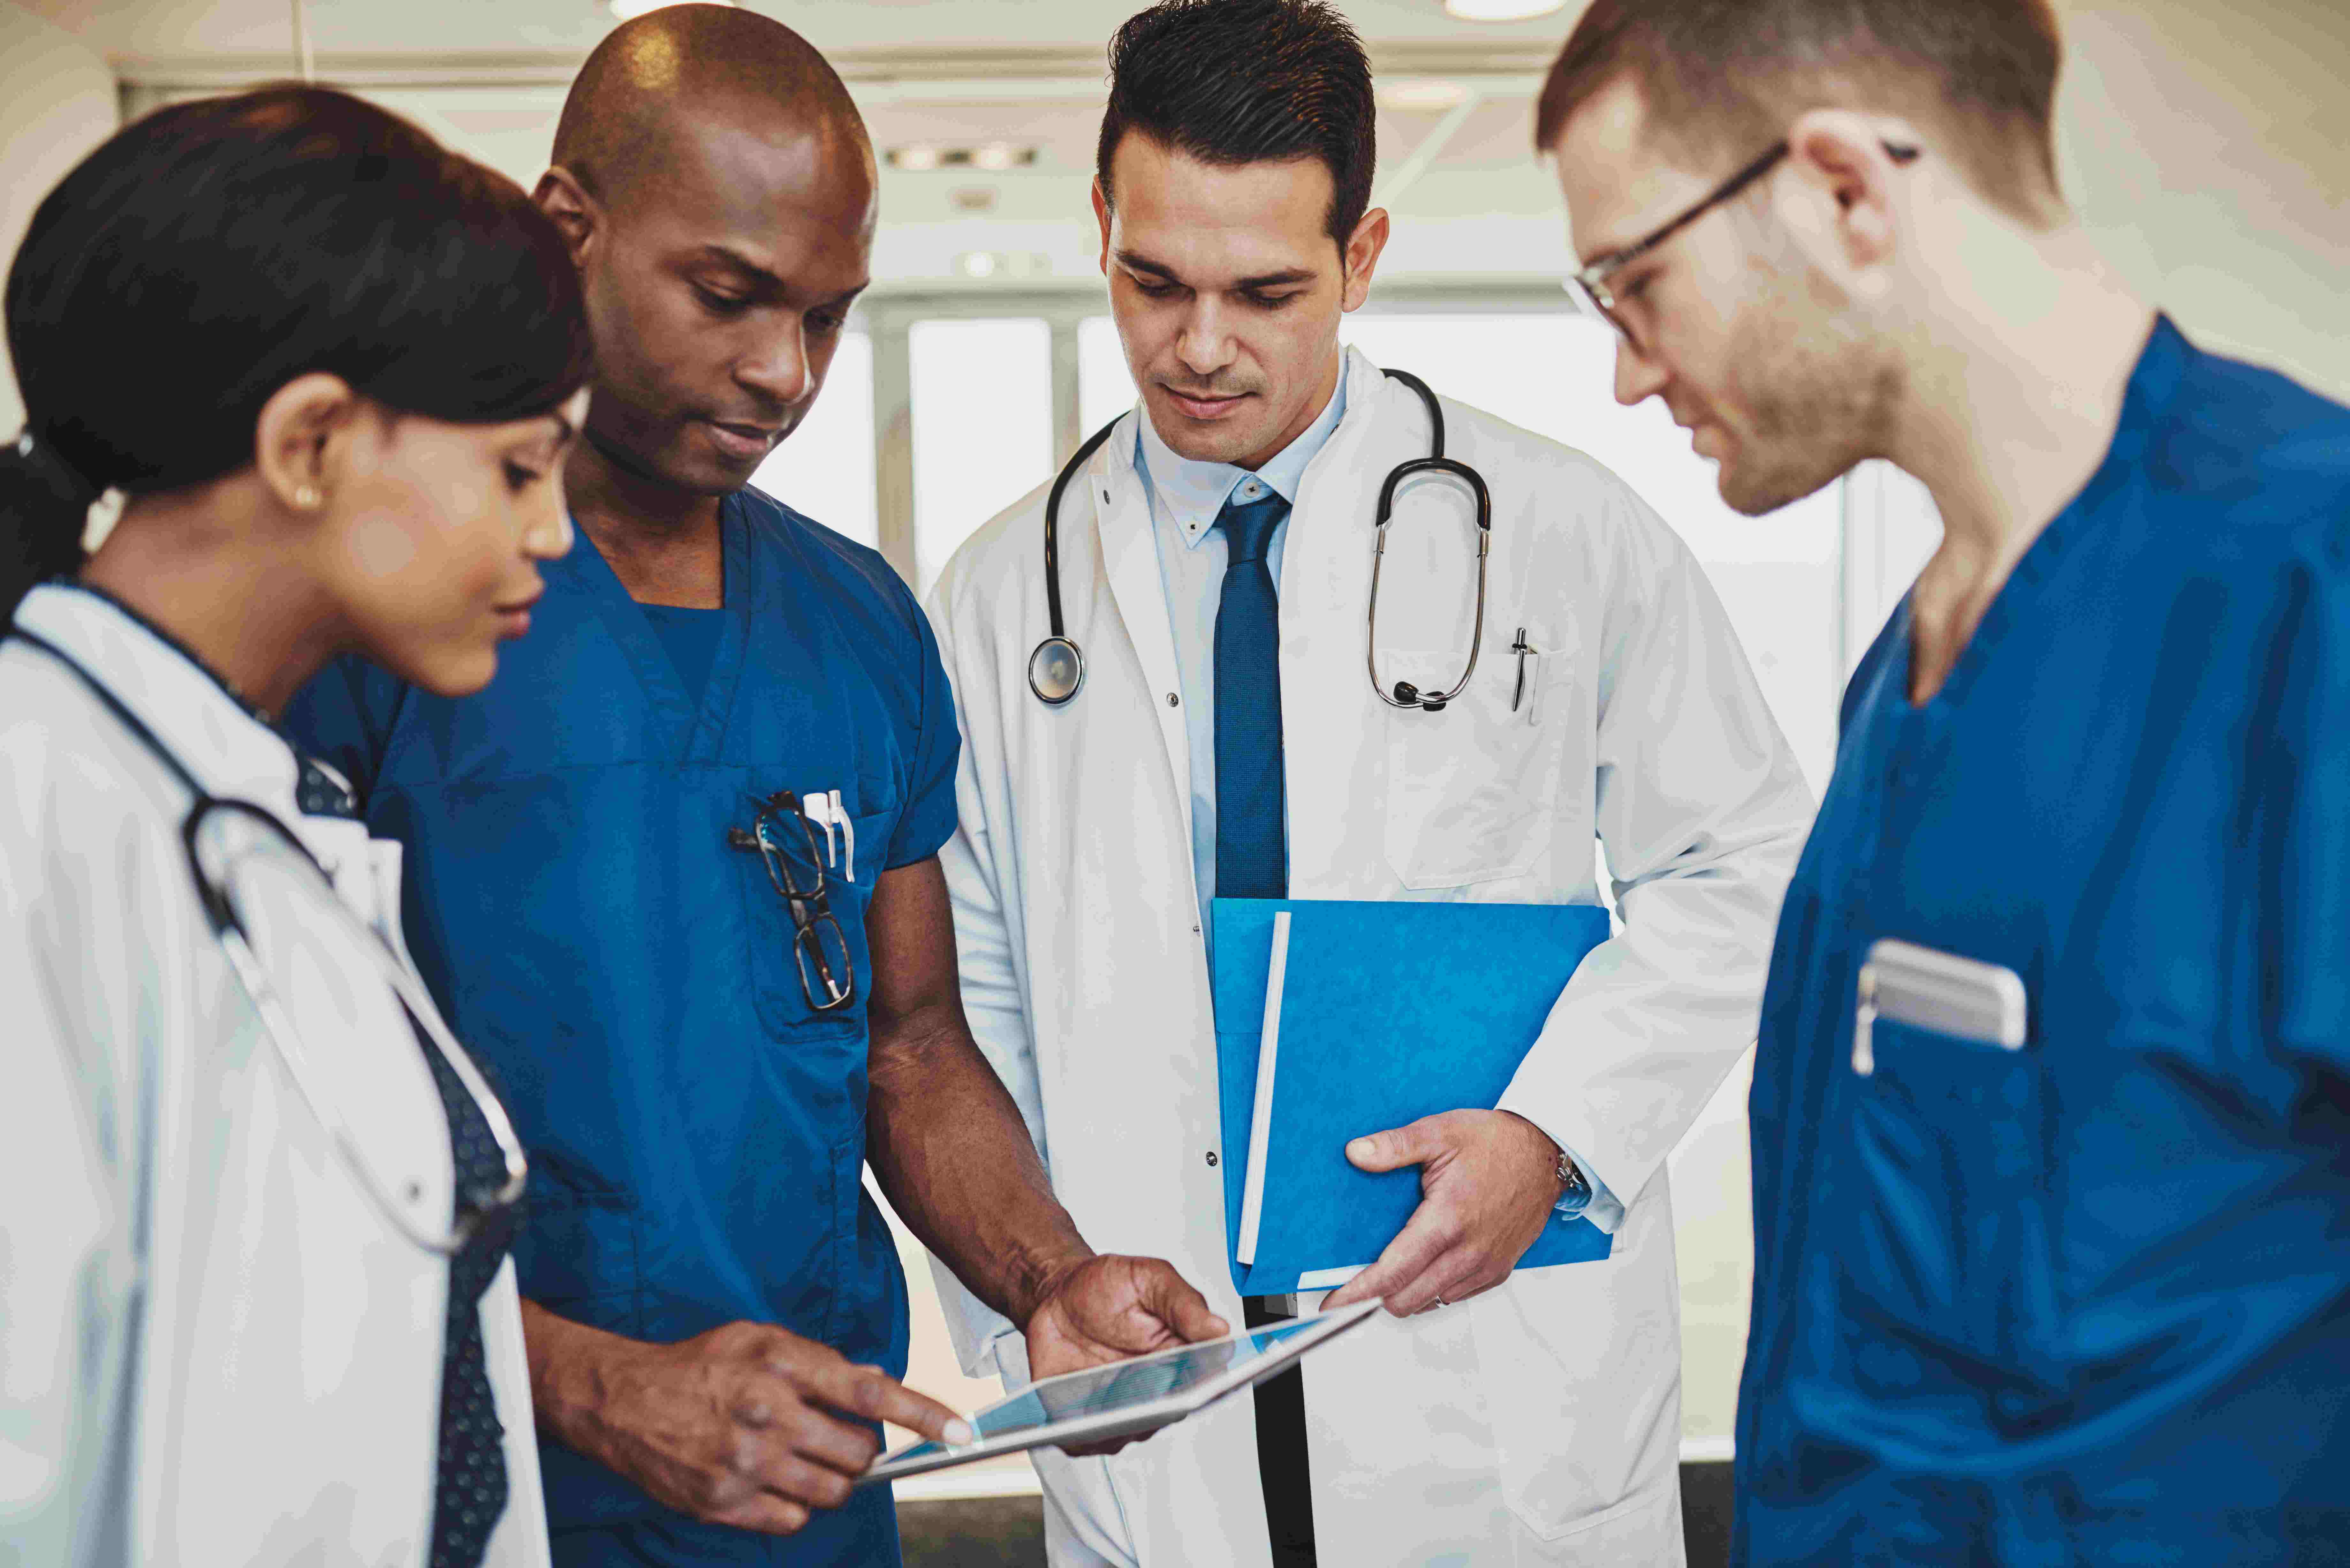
pixel 1522 648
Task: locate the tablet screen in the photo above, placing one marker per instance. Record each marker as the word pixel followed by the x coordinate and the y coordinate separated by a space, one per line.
pixel 1121 1384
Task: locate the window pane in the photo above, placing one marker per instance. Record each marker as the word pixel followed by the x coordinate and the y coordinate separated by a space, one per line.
pixel 982 426
pixel 824 470
pixel 1776 575
pixel 1105 390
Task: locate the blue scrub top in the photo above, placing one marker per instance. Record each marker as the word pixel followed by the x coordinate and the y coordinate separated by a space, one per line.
pixel 2088 1301
pixel 690 638
pixel 696 1133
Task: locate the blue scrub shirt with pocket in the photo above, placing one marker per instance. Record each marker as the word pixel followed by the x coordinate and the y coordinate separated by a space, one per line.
pixel 696 1131
pixel 2088 1301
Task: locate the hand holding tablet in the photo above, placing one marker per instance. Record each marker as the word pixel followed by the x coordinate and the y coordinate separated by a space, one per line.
pixel 1125 1397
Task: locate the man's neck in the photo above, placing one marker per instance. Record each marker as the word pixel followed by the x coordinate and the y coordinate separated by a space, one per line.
pixel 2008 415
pixel 661 542
pixel 2016 405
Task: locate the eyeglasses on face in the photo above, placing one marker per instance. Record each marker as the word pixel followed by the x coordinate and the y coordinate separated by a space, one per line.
pixel 1588 285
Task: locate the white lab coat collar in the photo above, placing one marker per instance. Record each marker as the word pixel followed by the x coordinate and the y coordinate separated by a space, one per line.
pixel 228 749
pixel 1192 490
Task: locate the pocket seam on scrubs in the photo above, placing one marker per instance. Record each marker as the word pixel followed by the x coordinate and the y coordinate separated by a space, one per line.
pixel 846 1172
pixel 586 1223
pixel 2004 1120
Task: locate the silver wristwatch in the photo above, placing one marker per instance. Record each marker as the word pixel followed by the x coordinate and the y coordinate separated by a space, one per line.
pixel 1577 1196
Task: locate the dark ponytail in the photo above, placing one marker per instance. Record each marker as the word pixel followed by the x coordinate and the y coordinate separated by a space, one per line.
pixel 212 251
pixel 44 502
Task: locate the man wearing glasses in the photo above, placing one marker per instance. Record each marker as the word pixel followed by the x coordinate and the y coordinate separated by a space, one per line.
pixel 2065 1279
pixel 675 873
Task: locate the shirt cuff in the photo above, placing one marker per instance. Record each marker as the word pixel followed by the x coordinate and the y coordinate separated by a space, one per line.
pixel 1603 1210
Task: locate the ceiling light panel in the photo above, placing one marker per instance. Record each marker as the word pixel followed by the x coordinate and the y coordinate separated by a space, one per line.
pixel 626 10
pixel 1500 10
pixel 1431 95
pixel 992 156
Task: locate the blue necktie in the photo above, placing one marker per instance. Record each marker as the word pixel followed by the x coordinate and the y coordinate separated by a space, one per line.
pixel 1252 833
pixel 469 1492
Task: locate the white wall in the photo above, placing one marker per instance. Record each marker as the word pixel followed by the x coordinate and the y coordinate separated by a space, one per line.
pixel 2207 148
pixel 56 102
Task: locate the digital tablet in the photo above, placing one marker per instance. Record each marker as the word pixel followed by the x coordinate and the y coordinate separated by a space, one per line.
pixel 1125 1397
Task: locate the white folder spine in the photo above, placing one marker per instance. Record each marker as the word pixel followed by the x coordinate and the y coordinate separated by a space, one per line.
pixel 1261 1117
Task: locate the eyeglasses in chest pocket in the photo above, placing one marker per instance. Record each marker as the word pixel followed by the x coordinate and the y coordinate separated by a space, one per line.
pixel 819 860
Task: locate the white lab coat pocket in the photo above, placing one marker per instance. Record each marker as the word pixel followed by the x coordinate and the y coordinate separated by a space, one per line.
pixel 1582 1366
pixel 1470 789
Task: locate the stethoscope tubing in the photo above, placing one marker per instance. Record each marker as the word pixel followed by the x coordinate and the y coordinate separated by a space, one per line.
pixel 1057 691
pixel 228 931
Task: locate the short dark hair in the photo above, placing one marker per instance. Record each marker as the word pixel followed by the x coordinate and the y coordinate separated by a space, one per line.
pixel 1247 81
pixel 1719 80
pixel 230 245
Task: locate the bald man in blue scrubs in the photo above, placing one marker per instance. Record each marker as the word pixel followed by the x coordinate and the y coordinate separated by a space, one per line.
pixel 2085 1299
pixel 674 875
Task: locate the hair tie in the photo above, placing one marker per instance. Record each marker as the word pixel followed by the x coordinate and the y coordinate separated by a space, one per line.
pixel 63 476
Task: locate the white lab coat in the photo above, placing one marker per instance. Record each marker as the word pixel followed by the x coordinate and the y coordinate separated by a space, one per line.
pixel 263 1387
pixel 1539 1422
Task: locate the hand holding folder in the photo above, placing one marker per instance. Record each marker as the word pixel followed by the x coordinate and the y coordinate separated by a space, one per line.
pixel 1335 1020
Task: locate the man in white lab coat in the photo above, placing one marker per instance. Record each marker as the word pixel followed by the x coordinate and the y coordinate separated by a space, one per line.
pixel 1214 562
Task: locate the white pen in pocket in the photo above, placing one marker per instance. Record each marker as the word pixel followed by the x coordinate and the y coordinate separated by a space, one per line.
pixel 825 809
pixel 815 805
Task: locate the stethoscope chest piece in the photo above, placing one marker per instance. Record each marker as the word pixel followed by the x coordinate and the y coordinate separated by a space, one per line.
pixel 1056 671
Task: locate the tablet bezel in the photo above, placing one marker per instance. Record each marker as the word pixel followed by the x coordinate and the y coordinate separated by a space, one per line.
pixel 1102 1424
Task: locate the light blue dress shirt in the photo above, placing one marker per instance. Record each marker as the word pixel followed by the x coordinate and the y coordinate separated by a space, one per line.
pixel 1186 497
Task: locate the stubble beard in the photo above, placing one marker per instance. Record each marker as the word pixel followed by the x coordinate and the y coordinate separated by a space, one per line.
pixel 1818 396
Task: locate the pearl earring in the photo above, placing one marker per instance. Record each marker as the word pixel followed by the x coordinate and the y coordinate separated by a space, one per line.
pixel 306 497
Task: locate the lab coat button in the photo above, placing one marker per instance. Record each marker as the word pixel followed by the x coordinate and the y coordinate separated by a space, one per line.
pixel 1212 1156
pixel 1173 701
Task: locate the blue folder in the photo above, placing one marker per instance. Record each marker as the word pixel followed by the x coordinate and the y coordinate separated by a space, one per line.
pixel 1390 1011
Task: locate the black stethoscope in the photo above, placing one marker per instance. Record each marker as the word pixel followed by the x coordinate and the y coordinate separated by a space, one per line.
pixel 1057 670
pixel 208 834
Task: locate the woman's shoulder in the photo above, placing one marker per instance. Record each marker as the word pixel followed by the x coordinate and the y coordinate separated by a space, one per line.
pixel 79 794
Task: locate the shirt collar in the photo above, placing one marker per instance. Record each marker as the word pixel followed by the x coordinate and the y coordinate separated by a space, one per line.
pixel 227 746
pixel 1193 491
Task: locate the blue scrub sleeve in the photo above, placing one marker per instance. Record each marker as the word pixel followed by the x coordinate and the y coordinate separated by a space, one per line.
pixel 2305 862
pixel 929 819
pixel 344 717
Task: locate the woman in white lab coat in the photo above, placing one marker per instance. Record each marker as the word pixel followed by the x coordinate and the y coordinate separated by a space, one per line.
pixel 255 1306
